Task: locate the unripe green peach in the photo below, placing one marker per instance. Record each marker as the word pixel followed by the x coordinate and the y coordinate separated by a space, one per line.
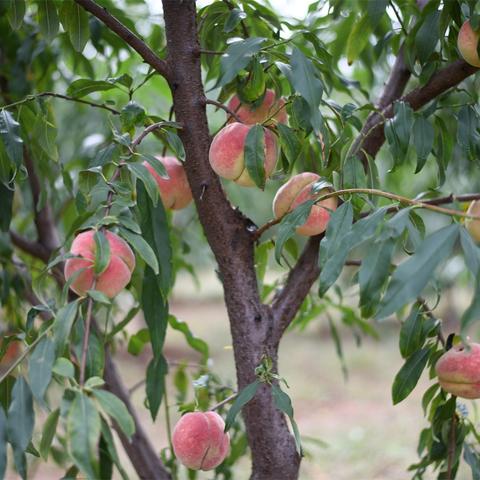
pixel 298 190
pixel 113 279
pixel 473 225
pixel 458 371
pixel 174 191
pixel 467 43
pixel 199 441
pixel 250 115
pixel 227 153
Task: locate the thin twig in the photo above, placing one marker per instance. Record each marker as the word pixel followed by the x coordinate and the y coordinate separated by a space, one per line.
pixel 30 98
pixel 451 446
pixel 224 402
pixel 149 129
pixel 225 108
pixel 210 52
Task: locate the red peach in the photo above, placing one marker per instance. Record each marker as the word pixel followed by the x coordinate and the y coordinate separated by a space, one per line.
pixel 199 442
pixel 250 115
pixel 297 191
pixel 114 278
pixel 458 371
pixel 467 43
pixel 227 153
pixel 174 191
pixel 472 225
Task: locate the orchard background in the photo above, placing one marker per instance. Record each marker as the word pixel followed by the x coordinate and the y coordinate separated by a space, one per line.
pixel 381 106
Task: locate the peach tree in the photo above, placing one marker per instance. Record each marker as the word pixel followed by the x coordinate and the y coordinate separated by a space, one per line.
pixel 113 119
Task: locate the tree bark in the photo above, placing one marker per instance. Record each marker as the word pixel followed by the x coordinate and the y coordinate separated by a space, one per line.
pixel 252 324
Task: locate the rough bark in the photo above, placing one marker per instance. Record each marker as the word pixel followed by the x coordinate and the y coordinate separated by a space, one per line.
pixel 226 229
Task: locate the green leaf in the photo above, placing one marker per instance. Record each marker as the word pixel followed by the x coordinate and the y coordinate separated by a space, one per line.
pixel 16 12
pixel 243 397
pixel 428 35
pixel 410 278
pixel 10 136
pixel 21 417
pixel 156 164
pixel 334 246
pixel 374 273
pixel 103 156
pixel 142 173
pixel 40 365
pixel 154 226
pixel 291 145
pixel 234 18
pixel 75 22
pixel 284 404
pixel 411 333
pixel 63 324
pixel 472 459
pixel 105 462
pixel 196 343
pixel 467 131
pixel 6 200
pixel 108 438
pixel 84 86
pixel 102 252
pixel 252 87
pixel 255 155
pixel 408 376
pixel 99 297
pixel 156 371
pixel 472 313
pixel 137 342
pixel 3 443
pixel 94 382
pixel 423 136
pixel 288 225
pixel 155 311
pixel 117 410
pixel 397 131
pixel 353 173
pixel 48 19
pixel 64 368
pixel 237 56
pixel 83 432
pixel 375 11
pixel 471 252
pixel 49 429
pixel 142 248
pixel 358 38
pixel 95 351
pixel 132 114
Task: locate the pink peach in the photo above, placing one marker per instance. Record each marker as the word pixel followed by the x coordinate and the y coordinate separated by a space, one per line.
pixel 114 278
pixel 473 225
pixel 297 191
pixel 250 115
pixel 458 371
pixel 227 153
pixel 199 441
pixel 174 191
pixel 467 43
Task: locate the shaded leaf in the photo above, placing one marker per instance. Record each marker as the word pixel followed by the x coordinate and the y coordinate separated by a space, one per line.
pixel 49 429
pixel 48 19
pixel 142 248
pixel 40 365
pixel 21 417
pixel 255 155
pixel 10 136
pixel 243 397
pixel 411 333
pixel 84 86
pixel 102 252
pixel 423 136
pixel 142 173
pixel 117 410
pixel 156 371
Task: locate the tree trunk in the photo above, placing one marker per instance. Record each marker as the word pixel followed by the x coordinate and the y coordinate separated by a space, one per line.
pixel 252 324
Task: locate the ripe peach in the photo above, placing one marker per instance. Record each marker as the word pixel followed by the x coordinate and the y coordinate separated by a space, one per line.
pixel 227 153
pixel 199 442
pixel 114 278
pixel 297 191
pixel 250 115
pixel 472 225
pixel 458 371
pixel 467 44
pixel 174 191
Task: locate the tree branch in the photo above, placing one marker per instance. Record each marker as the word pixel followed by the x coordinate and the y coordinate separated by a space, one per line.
pixel 127 35
pixel 229 111
pixel 35 249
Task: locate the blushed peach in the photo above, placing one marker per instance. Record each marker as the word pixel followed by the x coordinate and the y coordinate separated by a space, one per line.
pixel 114 278
pixel 174 191
pixel 467 43
pixel 199 441
pixel 227 153
pixel 298 190
pixel 269 106
pixel 458 371
pixel 473 225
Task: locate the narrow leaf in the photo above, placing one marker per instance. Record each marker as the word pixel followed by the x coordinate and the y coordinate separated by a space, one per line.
pixel 114 407
pixel 146 177
pixel 40 365
pixel 49 430
pixel 155 386
pixel 10 136
pixel 243 397
pixel 48 19
pixel 255 155
pixel 142 248
pixel 102 252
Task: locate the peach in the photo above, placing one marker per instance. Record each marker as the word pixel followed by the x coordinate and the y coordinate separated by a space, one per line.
pixel 458 371
pixel 114 278
pixel 199 441
pixel 472 225
pixel 174 191
pixel 250 115
pixel 297 191
pixel 227 153
pixel 467 43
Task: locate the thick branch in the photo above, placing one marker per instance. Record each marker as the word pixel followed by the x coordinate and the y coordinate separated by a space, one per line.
pixel 127 35
pixel 35 249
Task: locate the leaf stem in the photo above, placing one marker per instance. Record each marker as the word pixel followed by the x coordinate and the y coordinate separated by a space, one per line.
pixel 229 399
